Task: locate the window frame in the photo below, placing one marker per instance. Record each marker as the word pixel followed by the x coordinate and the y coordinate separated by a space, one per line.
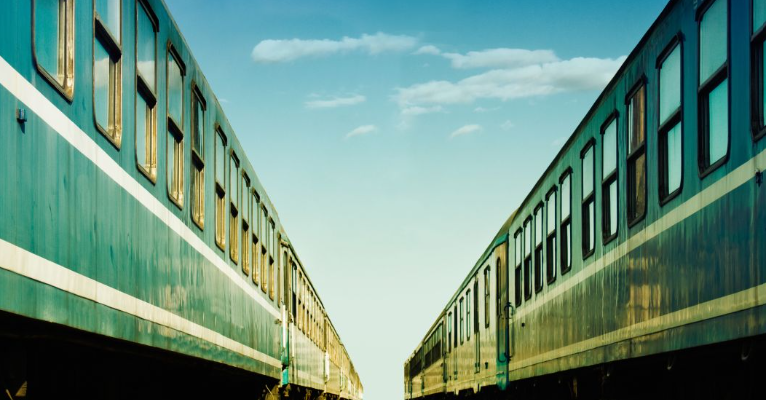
pixel 551 237
pixel 757 42
pixel 246 217
pixel 468 315
pixel 175 128
pixel 234 197
pixel 663 128
pixel 565 267
pixel 197 163
pixel 65 89
pixel 608 180
pixel 518 263
pixel 527 260
pixel 538 248
pixel 113 47
pixel 142 88
pixel 461 325
pixel 704 89
pixel 590 144
pixel 220 188
pixel 632 157
pixel 487 294
pixel 255 240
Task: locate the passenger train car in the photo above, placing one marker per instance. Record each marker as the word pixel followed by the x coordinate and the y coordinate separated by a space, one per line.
pixel 636 265
pixel 139 253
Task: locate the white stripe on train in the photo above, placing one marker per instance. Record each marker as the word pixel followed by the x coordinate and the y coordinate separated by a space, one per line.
pixel 69 131
pixel 32 266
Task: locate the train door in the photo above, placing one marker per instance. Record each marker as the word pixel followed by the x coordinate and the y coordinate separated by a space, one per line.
pixel 501 284
pixel 476 331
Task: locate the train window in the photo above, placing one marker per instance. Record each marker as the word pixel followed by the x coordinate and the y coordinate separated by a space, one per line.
pixel 198 157
pixel 272 242
pixel 107 71
pixel 713 86
pixel 636 134
pixel 517 275
pixel 539 248
pixel 528 258
pixel 175 143
pixel 247 211
pixel 220 189
pixel 146 97
pixel 476 305
pixel 757 83
pixel 109 14
pixel 588 201
pixel 107 97
pixel 486 297
pixel 550 236
pixel 256 255
pixel 54 43
pixel 670 128
pixel 609 179
pixel 234 207
pixel 264 246
pixel 462 321
pixel 566 222
pixel 449 332
pixel 468 314
pixel 454 326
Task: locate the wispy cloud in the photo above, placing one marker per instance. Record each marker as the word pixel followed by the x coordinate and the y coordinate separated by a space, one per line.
pixel 361 130
pixel 276 51
pixel 558 142
pixel 500 58
pixel 336 102
pixel 428 49
pixel 577 74
pixel 417 110
pixel 465 130
pixel 507 125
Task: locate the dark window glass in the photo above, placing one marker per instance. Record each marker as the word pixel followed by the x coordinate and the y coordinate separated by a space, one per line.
pixel 636 126
pixel 550 237
pixel 539 249
pixel 517 273
pixel 566 223
pixel 486 297
pixel 528 259
pixel 588 203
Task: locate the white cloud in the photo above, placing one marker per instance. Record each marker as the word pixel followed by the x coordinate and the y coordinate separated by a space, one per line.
pixel 417 110
pixel 336 102
pixel 507 125
pixel 428 49
pixel 577 74
pixel 276 51
pixel 223 100
pixel 500 58
pixel 362 130
pixel 465 130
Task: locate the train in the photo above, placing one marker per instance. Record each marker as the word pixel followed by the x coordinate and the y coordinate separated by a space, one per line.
pixel 140 255
pixel 635 267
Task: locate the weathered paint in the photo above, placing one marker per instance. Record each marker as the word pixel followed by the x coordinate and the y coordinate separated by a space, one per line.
pixel 690 273
pixel 89 242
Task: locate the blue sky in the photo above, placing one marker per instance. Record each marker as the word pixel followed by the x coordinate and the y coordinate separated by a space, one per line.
pixel 396 137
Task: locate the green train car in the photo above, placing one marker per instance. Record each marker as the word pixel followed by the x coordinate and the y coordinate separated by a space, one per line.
pixel 139 253
pixel 636 265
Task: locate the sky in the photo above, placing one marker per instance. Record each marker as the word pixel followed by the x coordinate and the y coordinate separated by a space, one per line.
pixel 395 137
